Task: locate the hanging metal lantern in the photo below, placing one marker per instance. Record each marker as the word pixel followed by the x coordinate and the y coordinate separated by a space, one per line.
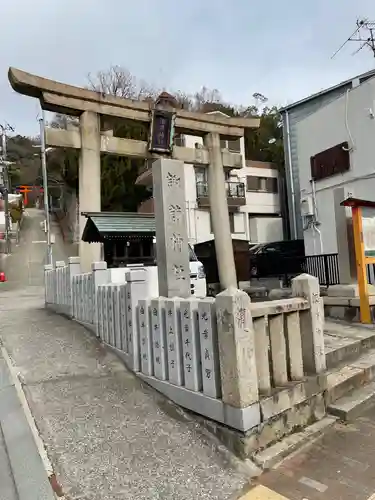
pixel 162 125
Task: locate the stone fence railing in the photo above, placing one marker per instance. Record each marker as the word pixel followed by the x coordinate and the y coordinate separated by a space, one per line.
pixel 217 357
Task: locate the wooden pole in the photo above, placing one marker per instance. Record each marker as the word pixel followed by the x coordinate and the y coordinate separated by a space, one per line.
pixel 364 305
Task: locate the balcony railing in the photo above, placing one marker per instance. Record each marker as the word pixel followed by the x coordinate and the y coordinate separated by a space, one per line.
pixel 235 194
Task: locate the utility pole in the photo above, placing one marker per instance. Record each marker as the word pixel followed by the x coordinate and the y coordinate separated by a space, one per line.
pixel 45 188
pixel 364 35
pixel 5 182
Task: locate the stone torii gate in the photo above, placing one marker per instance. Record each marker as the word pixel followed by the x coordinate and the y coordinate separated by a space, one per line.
pixel 94 136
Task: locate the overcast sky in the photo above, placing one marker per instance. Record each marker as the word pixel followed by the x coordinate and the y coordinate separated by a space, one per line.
pixel 281 49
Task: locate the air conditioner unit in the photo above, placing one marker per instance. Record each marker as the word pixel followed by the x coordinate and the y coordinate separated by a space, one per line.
pixel 307 206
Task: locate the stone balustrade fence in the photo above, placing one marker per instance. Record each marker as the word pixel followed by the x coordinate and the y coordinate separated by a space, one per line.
pixel 215 356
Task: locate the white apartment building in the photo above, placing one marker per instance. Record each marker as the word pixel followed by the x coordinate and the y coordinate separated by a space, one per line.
pixel 329 145
pixel 253 198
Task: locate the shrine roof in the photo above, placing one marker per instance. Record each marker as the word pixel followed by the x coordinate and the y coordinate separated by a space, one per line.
pixel 112 225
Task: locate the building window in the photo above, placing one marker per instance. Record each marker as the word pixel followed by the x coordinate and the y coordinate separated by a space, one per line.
pixel 252 183
pixel 261 184
pixel 332 161
pixel 231 222
pixel 200 175
pixel 179 140
pixel 232 146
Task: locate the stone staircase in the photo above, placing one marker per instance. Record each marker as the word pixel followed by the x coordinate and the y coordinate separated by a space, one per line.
pixel 350 381
pixel 348 388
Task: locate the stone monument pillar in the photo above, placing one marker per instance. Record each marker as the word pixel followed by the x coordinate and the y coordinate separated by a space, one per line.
pixel 89 183
pixel 171 232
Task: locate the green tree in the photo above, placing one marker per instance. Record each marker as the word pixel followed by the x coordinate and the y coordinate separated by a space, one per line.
pixel 25 158
pixel 266 142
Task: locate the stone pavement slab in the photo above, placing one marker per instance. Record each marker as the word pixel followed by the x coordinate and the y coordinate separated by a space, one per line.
pixel 339 466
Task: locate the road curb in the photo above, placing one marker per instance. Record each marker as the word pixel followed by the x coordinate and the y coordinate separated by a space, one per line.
pixel 47 465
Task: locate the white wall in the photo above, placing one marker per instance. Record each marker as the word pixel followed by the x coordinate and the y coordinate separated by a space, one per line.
pixel 265 229
pixel 345 119
pixel 256 202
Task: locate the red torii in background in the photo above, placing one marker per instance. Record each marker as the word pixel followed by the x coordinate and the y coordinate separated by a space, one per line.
pixel 25 190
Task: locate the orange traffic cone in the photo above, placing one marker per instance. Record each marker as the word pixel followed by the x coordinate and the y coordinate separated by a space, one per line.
pixel 3 278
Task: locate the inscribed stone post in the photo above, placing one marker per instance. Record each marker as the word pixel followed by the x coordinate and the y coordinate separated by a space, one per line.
pixel 147 362
pixel 74 296
pixel 74 269
pixel 312 323
pixel 47 269
pixel 174 341
pixel 85 295
pixel 136 289
pixel 171 231
pixel 81 277
pixel 111 322
pixel 239 380
pixel 190 344
pixel 77 295
pixel 100 305
pixel 101 276
pixel 59 265
pixel 105 314
pixel 209 348
pixel 117 316
pixel 159 340
pixel 123 323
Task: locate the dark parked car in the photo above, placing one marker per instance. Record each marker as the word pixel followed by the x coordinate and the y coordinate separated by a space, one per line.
pixel 279 258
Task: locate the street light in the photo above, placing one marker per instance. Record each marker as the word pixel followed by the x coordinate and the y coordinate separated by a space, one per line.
pixel 43 151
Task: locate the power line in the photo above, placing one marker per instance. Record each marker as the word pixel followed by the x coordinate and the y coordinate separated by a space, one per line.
pixel 364 35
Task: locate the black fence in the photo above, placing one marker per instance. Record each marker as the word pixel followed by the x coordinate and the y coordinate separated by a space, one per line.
pixel 325 267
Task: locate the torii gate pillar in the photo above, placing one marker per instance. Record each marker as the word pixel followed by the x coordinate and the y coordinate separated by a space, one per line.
pixel 89 182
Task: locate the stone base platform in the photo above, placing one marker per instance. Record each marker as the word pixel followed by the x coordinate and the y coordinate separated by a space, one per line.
pixel 346 308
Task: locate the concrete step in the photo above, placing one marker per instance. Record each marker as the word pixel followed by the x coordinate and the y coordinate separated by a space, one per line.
pixel 349 376
pixel 353 404
pixel 272 456
pixel 345 343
